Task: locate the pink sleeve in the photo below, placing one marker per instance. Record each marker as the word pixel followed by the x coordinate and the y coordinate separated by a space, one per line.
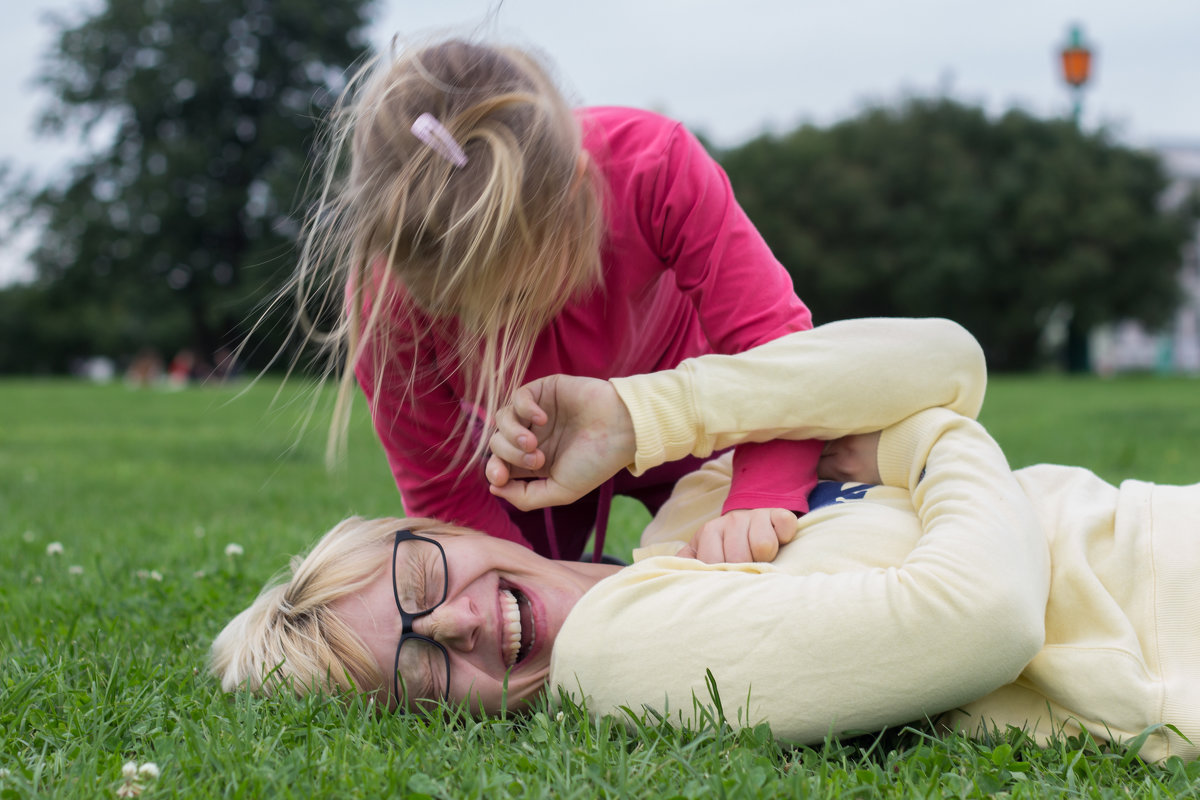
pixel 744 297
pixel 417 427
pixel 777 474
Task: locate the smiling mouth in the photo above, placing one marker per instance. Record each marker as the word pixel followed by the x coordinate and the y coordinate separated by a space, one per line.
pixel 519 632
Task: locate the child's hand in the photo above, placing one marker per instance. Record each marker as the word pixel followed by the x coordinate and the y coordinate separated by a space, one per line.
pixel 741 535
pixel 851 458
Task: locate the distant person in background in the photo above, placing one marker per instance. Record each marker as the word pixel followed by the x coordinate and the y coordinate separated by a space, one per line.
pixel 225 366
pixel 182 369
pixel 146 369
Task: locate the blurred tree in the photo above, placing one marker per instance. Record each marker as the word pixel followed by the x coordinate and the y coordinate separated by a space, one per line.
pixel 180 221
pixel 932 208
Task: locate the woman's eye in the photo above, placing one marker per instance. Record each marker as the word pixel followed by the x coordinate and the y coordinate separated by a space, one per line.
pixel 437 675
pixel 422 580
pixel 433 583
pixel 421 587
pixel 410 582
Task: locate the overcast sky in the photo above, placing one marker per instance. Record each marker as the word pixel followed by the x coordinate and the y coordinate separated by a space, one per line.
pixel 733 68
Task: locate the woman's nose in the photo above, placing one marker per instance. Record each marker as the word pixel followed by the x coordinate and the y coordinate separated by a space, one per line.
pixel 455 624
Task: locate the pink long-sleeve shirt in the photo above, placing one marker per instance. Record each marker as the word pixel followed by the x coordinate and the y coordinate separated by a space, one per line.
pixel 685 273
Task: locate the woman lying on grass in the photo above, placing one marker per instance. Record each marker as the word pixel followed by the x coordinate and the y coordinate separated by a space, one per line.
pixel 928 580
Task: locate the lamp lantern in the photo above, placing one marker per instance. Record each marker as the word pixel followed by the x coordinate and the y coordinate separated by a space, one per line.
pixel 1076 67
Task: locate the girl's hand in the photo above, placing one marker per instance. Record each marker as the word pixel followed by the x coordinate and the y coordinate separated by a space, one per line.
pixel 741 535
pixel 559 438
pixel 851 458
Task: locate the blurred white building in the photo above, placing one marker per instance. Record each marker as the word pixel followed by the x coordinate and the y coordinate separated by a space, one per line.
pixel 1127 345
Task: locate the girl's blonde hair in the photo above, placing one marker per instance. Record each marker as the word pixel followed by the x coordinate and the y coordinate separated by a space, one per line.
pixel 289 638
pixel 492 249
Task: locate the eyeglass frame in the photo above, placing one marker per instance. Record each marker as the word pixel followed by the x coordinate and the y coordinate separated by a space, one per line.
pixel 407 619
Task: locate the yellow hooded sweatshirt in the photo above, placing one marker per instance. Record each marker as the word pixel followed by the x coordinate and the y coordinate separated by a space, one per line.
pixel 960 590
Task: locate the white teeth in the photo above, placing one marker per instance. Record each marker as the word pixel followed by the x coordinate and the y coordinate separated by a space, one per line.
pixel 511 634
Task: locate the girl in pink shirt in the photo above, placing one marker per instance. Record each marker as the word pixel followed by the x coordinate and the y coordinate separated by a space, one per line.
pixel 485 235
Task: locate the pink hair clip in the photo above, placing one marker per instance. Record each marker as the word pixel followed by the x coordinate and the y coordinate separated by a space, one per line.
pixel 433 133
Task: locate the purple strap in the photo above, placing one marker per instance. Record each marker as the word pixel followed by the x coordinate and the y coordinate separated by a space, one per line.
pixel 606 495
pixel 603 506
pixel 551 538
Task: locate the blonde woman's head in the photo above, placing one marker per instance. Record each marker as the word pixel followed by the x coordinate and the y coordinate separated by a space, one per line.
pixel 335 623
pixel 290 638
pixel 497 244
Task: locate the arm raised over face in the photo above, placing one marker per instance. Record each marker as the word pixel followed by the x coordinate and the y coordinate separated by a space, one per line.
pixel 562 437
pixel 558 439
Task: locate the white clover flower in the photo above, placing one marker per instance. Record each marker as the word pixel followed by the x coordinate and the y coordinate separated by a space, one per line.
pixel 199 531
pixel 54 549
pixel 559 717
pixel 142 574
pixel 135 778
pixel 28 536
pixel 75 569
pixel 198 574
pixel 155 575
pixel 233 549
pixel 4 773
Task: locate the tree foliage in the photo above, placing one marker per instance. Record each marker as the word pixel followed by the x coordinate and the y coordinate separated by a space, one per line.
pixel 934 209
pixel 173 229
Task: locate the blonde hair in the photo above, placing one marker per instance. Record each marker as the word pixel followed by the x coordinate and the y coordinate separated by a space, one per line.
pixel 289 638
pixel 495 247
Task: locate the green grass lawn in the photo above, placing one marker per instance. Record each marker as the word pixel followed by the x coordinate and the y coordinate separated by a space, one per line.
pixel 118 511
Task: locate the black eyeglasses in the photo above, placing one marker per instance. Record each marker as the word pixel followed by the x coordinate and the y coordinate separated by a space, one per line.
pixel 419 580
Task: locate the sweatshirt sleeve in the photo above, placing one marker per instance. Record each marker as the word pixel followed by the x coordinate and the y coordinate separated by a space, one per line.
pixel 743 296
pixel 845 377
pixel 776 474
pixel 822 653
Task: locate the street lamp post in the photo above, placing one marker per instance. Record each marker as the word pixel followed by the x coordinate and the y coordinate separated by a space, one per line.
pixel 1076 68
